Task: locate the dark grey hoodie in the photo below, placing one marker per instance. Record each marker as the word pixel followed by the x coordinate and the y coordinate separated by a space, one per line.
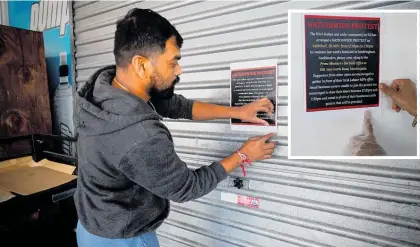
pixel 128 169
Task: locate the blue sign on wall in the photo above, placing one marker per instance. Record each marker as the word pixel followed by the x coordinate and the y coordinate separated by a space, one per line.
pixel 51 18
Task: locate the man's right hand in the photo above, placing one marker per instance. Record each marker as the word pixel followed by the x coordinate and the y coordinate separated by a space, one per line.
pixel 403 94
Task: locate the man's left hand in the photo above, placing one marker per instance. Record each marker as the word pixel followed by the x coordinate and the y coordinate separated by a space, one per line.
pixel 249 112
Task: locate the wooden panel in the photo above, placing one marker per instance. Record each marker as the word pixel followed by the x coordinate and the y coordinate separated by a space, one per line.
pixel 24 97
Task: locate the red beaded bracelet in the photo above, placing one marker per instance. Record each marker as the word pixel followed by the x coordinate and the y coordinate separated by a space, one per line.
pixel 245 160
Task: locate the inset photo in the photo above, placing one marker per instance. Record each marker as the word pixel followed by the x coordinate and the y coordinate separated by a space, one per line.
pixel 353 78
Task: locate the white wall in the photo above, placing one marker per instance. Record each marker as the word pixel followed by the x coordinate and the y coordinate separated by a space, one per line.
pixel 328 133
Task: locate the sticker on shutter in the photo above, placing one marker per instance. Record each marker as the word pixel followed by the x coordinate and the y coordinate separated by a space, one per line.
pixel 242 200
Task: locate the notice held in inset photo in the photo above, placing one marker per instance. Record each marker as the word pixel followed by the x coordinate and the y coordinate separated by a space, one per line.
pixel 251 81
pixel 342 62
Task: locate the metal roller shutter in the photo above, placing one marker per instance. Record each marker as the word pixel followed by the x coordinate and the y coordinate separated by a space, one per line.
pixel 302 203
pixel 4 13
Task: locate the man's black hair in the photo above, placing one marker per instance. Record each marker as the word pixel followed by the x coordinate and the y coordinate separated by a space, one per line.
pixel 142 32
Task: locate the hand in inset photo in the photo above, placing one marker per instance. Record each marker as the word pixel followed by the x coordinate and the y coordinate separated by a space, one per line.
pixel 403 94
pixel 366 144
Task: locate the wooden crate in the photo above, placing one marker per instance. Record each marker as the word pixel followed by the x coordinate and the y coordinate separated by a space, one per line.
pixel 24 97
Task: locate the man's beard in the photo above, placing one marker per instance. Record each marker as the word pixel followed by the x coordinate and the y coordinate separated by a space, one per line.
pixel 155 94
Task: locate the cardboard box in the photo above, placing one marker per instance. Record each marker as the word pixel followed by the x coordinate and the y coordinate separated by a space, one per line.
pixel 23 176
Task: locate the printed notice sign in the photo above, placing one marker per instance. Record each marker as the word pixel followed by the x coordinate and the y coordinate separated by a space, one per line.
pixel 251 81
pixel 342 62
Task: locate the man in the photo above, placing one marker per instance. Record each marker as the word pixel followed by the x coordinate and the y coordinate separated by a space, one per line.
pixel 128 168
